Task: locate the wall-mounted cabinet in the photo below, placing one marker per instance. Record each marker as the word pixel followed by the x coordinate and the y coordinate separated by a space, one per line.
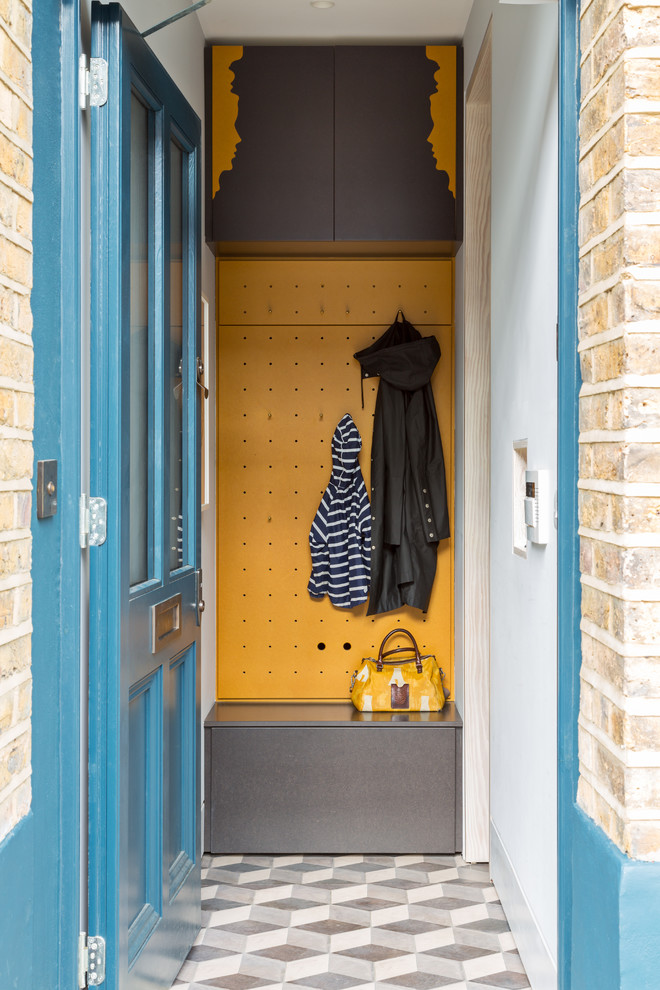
pixel 347 144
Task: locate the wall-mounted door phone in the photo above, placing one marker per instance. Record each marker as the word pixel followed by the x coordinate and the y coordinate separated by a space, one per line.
pixel 537 506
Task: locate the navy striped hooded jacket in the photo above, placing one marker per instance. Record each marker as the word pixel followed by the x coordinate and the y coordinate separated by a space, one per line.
pixel 340 537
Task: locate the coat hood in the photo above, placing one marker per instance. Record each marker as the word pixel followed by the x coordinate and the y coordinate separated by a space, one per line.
pixel 346 446
pixel 401 357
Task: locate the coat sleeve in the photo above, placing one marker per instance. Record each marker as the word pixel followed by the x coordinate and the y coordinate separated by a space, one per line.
pixel 364 528
pixel 318 544
pixel 428 466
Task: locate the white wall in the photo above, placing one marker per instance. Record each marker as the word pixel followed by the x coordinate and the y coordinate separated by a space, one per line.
pixel 459 486
pixel 523 405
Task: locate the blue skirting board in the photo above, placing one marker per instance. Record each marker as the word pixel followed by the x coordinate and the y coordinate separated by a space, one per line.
pixel 16 907
pixel 615 916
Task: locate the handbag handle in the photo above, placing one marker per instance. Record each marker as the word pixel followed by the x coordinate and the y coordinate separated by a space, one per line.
pixel 399 649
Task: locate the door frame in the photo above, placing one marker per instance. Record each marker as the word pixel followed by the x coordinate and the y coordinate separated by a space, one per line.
pixel 57 434
pixel 40 859
pixel 476 458
pixel 568 543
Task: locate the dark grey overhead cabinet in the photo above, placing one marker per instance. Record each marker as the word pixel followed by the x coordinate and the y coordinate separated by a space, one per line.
pixel 272 108
pixel 316 144
pixel 392 164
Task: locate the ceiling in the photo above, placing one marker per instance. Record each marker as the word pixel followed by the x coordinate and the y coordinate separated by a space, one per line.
pixel 367 21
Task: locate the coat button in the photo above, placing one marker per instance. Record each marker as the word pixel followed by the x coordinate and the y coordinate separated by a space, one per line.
pixel 373 519
pixel 373 548
pixel 429 520
pixel 423 491
pixel 431 535
pixel 427 506
pixel 366 374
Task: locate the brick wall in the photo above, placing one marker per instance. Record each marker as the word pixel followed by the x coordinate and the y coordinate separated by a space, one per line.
pixel 16 408
pixel 619 329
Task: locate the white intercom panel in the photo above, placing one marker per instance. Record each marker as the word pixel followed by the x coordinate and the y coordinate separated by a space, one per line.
pixel 537 506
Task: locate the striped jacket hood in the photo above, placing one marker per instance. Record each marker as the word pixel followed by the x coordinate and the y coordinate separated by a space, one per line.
pixel 346 447
pixel 340 537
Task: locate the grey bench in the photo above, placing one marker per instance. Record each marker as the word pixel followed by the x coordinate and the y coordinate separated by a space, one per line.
pixel 324 778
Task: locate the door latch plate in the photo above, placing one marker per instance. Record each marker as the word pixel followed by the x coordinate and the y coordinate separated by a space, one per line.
pixel 46 489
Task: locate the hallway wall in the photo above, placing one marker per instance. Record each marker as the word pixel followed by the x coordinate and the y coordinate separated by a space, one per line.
pixel 287 331
pixel 523 407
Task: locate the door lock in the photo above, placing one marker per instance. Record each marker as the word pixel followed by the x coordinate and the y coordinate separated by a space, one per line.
pixel 199 601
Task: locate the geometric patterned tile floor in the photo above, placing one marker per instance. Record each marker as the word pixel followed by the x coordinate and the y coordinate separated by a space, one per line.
pixel 350 923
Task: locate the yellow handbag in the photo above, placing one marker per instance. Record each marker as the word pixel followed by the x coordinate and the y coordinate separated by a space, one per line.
pixel 410 685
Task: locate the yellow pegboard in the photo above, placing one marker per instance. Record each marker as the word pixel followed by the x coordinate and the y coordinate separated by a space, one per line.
pixel 334 292
pixel 282 388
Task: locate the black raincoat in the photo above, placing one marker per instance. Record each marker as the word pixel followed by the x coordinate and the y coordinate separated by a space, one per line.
pixel 408 489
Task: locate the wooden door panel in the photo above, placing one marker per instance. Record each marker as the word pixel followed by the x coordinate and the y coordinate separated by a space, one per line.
pixel 145 769
pixel 182 713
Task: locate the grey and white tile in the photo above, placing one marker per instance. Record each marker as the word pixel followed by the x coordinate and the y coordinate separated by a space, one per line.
pixel 411 935
pixel 500 981
pixel 390 922
pixel 329 936
pixel 372 962
pixel 285 963
pixel 369 911
pixel 288 911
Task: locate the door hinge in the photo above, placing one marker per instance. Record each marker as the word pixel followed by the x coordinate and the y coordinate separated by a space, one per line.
pixel 91 960
pixel 93 521
pixel 92 82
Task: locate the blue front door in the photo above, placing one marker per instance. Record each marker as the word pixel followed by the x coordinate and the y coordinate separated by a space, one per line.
pixel 144 842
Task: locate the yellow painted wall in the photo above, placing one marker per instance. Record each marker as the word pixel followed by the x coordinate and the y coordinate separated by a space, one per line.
pixel 287 332
pixel 443 136
pixel 224 136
